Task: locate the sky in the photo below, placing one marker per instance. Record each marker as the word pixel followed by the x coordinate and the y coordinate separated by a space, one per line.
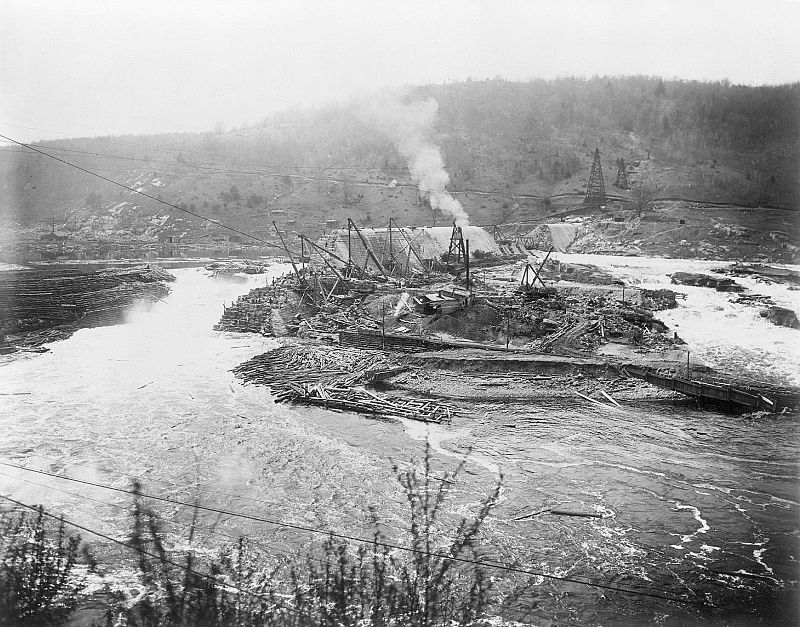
pixel 107 67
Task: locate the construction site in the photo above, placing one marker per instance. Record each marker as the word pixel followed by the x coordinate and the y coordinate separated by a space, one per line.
pixel 446 315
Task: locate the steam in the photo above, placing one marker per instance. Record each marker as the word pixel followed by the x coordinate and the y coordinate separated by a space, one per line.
pixel 408 125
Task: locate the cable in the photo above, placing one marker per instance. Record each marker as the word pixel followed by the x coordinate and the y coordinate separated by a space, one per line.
pixel 163 202
pixel 140 550
pixel 160 558
pixel 342 536
pixel 187 163
pixel 207 528
pixel 101 469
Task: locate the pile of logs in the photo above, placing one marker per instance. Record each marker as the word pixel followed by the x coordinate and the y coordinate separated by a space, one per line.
pixel 366 402
pixel 320 311
pixel 39 299
pixel 331 319
pixel 328 376
pixel 252 312
pixel 245 266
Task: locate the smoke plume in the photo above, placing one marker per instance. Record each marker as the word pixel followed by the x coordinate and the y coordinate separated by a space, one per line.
pixel 408 125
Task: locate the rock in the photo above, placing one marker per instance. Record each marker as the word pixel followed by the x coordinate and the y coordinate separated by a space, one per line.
pixel 762 272
pixel 704 280
pixel 781 316
pixel 658 300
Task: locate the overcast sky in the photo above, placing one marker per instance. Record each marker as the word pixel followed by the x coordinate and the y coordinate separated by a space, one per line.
pixel 109 67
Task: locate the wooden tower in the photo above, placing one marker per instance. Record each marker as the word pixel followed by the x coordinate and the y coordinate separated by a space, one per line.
pixel 622 175
pixel 596 189
pixel 456 245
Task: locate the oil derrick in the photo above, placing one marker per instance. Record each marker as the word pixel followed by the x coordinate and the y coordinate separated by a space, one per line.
pixel 456 245
pixel 622 175
pixel 596 189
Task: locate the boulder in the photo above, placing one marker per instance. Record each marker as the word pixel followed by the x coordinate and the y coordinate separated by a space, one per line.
pixel 704 280
pixel 781 316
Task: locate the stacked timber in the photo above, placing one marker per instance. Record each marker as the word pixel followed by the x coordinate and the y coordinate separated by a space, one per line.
pixel 366 402
pixel 252 312
pixel 31 300
pixel 333 378
pixel 319 304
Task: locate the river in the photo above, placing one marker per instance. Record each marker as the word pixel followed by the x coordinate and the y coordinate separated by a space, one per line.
pixel 696 503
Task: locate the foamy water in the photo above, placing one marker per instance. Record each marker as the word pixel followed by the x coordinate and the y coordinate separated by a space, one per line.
pixel 725 335
pixel 684 492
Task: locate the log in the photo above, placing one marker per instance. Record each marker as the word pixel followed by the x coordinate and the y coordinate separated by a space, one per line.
pixel 564 512
pixel 608 396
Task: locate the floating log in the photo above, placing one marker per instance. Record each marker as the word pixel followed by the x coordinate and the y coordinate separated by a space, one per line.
pixel 565 512
pixel 608 396
pixel 591 400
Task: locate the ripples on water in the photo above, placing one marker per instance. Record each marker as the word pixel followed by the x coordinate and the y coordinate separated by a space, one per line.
pixel 688 496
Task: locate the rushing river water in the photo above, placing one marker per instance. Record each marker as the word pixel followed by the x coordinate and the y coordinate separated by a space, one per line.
pixel 697 504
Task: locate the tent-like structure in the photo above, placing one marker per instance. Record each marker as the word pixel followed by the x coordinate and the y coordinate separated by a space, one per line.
pixel 404 248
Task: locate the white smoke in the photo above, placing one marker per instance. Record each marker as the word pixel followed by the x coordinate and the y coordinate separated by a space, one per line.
pixel 409 125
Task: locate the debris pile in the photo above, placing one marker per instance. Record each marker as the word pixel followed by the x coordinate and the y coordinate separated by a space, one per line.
pixel 331 319
pixel 582 321
pixel 659 300
pixel 333 378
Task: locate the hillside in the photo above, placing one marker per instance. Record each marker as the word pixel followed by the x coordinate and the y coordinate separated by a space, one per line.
pixel 514 152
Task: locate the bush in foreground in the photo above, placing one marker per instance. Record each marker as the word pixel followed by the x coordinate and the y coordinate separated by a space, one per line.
pixel 337 582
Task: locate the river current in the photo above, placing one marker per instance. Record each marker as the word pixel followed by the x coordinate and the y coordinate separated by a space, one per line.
pixel 696 504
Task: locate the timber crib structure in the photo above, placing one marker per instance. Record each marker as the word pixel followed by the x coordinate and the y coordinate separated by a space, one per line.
pixel 772 400
pixel 336 378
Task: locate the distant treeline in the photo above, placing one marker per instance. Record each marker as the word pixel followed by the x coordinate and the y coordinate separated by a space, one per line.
pixel 519 136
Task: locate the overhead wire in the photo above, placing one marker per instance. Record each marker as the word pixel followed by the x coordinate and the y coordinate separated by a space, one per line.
pixel 150 196
pixel 161 558
pixel 239 497
pixel 207 528
pixel 138 549
pixel 292 166
pixel 343 536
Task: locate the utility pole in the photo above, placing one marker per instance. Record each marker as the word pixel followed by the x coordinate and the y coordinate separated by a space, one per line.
pixel 383 325
pixel 391 257
pixel 349 245
pixel 303 255
pixel 466 261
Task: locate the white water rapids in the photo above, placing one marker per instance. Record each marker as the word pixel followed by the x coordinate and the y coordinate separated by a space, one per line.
pixel 727 336
pixel 691 497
